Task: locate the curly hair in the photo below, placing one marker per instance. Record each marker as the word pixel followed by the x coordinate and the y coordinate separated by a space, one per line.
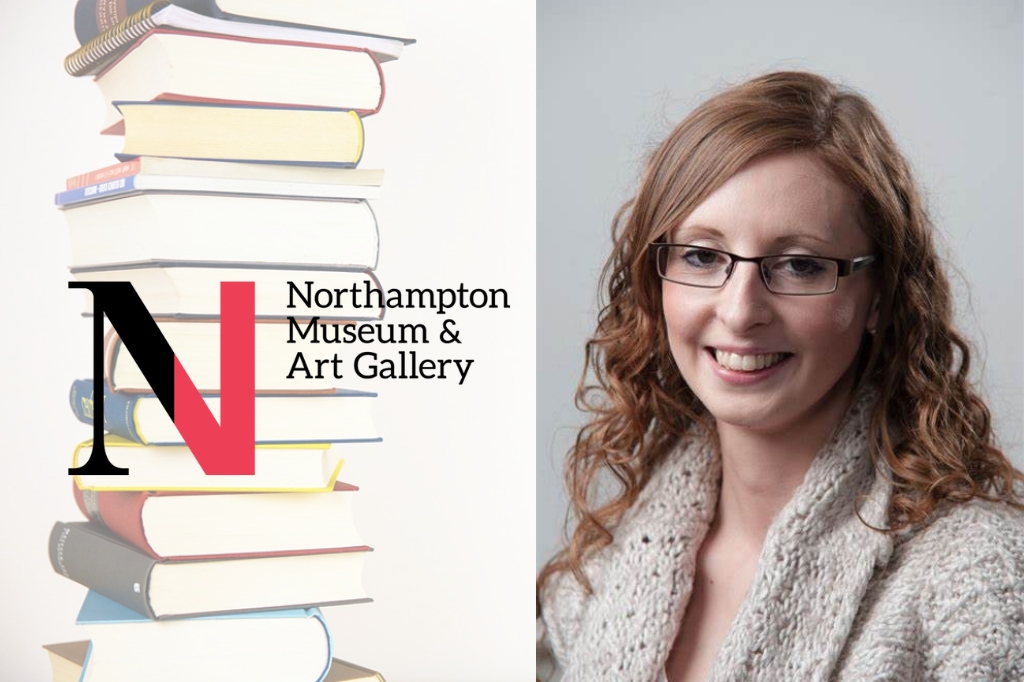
pixel 929 429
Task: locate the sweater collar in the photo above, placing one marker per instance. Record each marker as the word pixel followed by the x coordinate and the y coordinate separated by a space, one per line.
pixel 816 563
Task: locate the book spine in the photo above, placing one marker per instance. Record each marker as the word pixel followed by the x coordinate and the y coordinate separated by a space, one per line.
pixel 83 553
pixel 87 503
pixel 93 17
pixel 383 84
pixel 107 188
pixel 315 612
pixel 118 409
pixel 119 511
pixel 117 170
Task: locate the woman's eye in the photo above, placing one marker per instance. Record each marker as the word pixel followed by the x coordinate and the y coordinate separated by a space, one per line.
pixel 800 267
pixel 701 258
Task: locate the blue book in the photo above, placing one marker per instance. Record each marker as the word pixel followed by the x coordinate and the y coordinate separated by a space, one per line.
pixel 96 191
pixel 293 644
pixel 189 176
pixel 342 416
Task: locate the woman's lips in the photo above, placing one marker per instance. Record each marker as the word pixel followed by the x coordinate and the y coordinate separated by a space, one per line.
pixel 747 362
pixel 745 368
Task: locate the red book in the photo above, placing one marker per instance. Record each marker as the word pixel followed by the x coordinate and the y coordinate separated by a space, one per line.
pixel 203 525
pixel 122 169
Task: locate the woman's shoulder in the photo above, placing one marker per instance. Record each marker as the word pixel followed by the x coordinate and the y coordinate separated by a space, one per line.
pixel 563 601
pixel 980 540
pixel 676 502
pixel 951 598
pixel 966 563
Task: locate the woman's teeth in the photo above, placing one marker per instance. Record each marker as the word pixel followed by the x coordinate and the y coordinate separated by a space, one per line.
pixel 746 363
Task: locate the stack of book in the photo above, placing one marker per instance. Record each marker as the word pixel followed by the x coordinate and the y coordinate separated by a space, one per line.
pixel 242 125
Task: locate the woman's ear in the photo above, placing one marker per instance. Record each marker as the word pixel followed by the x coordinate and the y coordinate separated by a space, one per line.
pixel 872 322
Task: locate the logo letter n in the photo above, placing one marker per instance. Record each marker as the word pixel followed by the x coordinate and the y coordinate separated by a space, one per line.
pixel 227 448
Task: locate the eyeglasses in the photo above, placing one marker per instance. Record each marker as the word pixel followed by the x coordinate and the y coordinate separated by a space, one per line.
pixel 787 274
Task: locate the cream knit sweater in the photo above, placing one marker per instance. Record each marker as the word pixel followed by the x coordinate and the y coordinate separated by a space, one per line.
pixel 831 598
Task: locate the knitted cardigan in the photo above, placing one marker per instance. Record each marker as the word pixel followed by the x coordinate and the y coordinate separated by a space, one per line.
pixel 831 599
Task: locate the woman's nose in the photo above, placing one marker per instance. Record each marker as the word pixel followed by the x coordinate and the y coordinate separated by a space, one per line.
pixel 744 301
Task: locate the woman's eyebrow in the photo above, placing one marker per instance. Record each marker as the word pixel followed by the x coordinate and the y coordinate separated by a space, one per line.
pixel 697 230
pixel 800 238
pixel 694 230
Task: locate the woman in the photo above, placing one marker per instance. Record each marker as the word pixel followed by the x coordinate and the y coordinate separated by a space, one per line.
pixel 808 486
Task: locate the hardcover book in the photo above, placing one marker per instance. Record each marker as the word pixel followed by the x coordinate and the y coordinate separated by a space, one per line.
pixel 167 169
pixel 270 646
pixel 196 344
pixel 158 226
pixel 299 467
pixel 343 671
pixel 191 289
pixel 93 556
pixel 189 524
pixel 191 176
pixel 342 416
pixel 381 18
pixel 101 48
pixel 188 66
pixel 237 132
pixel 68 658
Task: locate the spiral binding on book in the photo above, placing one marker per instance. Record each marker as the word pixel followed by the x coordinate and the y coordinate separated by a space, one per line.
pixel 109 45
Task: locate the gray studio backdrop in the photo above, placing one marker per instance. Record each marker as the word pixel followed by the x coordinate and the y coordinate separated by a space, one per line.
pixel 613 78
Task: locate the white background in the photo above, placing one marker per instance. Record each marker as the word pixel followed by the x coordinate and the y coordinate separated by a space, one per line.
pixel 448 499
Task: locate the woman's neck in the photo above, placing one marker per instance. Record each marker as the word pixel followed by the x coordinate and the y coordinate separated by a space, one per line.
pixel 761 470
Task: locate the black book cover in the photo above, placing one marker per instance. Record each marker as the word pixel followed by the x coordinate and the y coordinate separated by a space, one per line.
pixel 94 557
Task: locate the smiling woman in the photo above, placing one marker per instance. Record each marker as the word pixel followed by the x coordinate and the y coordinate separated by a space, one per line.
pixel 810 488
pixel 790 309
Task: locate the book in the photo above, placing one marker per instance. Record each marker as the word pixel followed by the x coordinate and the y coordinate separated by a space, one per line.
pixel 271 646
pixel 101 49
pixel 177 174
pixel 343 671
pixel 342 416
pixel 93 556
pixel 188 524
pixel 151 225
pixel 139 183
pixel 242 132
pixel 185 66
pixel 381 18
pixel 68 658
pixel 196 344
pixel 185 289
pixel 194 176
pixel 307 467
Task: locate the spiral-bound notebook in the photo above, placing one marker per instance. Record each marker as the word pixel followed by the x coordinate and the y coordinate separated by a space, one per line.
pixel 99 51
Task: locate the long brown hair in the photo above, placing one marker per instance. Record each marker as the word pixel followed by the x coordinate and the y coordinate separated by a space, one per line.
pixel 929 428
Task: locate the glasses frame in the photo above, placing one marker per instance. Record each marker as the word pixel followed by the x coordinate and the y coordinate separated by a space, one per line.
pixel 845 266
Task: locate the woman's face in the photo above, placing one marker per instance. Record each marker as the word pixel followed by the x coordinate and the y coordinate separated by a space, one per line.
pixel 804 346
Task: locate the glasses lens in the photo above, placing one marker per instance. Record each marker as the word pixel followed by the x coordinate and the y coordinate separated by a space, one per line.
pixel 800 275
pixel 693 265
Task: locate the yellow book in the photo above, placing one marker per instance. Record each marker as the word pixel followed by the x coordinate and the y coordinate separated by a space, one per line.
pixel 242 132
pixel 296 467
